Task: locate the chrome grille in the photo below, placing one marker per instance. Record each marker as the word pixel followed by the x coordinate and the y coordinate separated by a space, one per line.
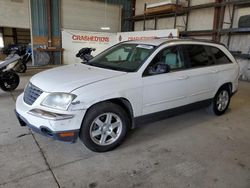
pixel 31 93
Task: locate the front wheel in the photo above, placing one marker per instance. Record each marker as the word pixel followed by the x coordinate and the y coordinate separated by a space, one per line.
pixel 104 127
pixel 9 81
pixel 221 101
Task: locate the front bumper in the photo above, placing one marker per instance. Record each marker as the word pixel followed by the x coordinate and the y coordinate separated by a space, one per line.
pixel 63 130
pixel 66 136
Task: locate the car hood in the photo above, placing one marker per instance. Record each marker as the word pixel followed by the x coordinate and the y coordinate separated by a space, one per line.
pixel 70 77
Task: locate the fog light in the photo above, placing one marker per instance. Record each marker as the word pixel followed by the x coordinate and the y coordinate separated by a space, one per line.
pixel 50 115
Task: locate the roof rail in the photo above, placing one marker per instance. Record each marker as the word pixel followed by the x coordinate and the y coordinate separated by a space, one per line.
pixel 191 39
pixel 206 40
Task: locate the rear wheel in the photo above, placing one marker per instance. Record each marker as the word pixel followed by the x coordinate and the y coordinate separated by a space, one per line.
pixel 221 101
pixel 10 81
pixel 104 127
pixel 20 67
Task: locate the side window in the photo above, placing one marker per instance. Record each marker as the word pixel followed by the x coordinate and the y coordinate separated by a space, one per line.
pixel 219 56
pixel 169 57
pixel 172 57
pixel 198 56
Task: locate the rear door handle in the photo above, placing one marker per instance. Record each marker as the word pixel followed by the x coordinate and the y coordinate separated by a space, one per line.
pixel 183 78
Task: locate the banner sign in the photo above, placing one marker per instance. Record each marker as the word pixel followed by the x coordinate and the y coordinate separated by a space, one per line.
pixel 151 34
pixel 74 40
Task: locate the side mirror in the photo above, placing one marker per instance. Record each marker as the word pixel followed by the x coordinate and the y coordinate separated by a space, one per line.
pixel 159 68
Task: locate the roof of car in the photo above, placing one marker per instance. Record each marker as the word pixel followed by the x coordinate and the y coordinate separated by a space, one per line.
pixel 160 41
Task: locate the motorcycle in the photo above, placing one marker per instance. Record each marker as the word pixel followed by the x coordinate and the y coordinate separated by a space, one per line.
pixel 19 55
pixel 25 56
pixel 85 54
pixel 9 79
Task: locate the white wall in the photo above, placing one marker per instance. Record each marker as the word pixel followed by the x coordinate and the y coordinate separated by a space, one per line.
pixel 198 20
pixel 237 42
pixel 14 14
pixel 140 5
pixel 244 69
pixel 199 2
pixel 238 13
pixel 201 19
pixel 162 23
pixel 89 15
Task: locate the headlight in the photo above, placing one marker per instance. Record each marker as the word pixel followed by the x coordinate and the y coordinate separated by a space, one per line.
pixel 60 101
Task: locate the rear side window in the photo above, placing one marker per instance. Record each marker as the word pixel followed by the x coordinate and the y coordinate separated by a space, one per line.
pixel 219 56
pixel 198 56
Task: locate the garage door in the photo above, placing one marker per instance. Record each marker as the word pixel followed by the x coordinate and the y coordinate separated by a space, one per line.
pixel 90 15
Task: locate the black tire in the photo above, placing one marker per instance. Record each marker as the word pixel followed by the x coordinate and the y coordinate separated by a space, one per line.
pixel 20 67
pixel 215 107
pixel 99 111
pixel 10 81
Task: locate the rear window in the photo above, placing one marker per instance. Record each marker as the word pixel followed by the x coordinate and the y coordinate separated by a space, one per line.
pixel 198 56
pixel 219 56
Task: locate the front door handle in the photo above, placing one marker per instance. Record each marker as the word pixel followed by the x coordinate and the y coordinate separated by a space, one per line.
pixel 183 78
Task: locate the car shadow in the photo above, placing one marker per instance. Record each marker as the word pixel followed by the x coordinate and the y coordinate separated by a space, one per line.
pixel 171 125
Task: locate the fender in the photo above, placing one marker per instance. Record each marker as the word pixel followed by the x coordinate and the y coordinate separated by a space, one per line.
pixel 84 105
pixel 117 99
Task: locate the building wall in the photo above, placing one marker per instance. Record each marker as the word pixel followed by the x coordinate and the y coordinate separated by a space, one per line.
pixel 162 23
pixel 237 42
pixel 199 2
pixel 140 5
pixel 238 13
pixel 90 15
pixel 15 13
pixel 126 25
pixel 199 20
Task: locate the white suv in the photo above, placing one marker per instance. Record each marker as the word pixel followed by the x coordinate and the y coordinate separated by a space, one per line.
pixel 130 83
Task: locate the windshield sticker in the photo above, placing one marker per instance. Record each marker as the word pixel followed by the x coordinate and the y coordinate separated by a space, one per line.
pixel 145 47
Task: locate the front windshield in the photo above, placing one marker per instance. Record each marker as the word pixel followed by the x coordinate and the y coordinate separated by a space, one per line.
pixel 123 57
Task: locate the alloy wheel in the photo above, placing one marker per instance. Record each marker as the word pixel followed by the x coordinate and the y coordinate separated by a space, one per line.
pixel 106 129
pixel 222 100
